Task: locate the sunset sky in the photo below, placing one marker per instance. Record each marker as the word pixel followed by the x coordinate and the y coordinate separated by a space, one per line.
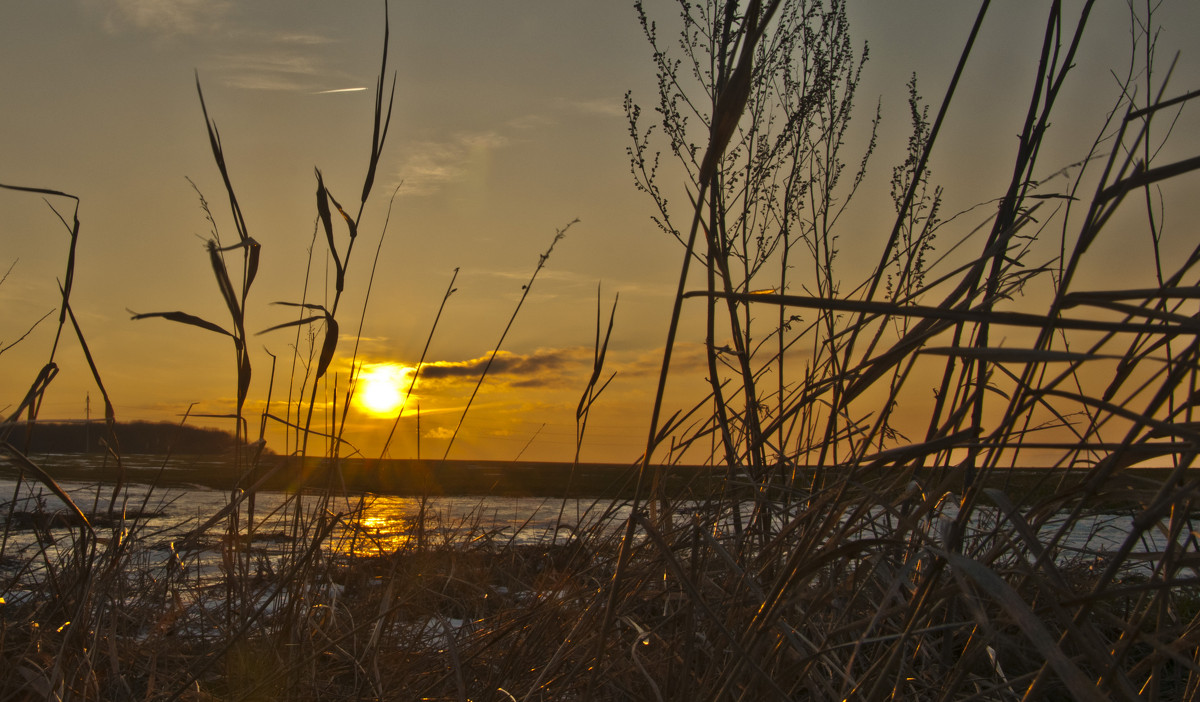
pixel 508 125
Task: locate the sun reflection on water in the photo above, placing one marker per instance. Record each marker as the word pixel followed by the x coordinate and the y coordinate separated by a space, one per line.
pixel 383 525
pixel 379 532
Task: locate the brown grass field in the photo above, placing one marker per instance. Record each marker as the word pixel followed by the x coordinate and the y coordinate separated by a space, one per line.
pixel 848 580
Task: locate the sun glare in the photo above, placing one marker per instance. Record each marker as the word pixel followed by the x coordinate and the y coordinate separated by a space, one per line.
pixel 381 388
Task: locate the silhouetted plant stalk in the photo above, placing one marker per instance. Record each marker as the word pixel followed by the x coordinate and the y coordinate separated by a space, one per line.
pixel 542 258
pixel 846 514
pixel 412 383
pixel 235 298
pixel 27 410
pixel 74 568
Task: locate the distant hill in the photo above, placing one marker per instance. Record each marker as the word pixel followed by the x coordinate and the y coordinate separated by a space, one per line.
pixel 132 437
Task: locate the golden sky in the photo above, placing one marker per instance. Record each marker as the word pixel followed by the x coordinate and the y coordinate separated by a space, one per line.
pixel 508 125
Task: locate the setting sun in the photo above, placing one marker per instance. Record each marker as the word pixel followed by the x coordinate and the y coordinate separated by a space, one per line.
pixel 382 388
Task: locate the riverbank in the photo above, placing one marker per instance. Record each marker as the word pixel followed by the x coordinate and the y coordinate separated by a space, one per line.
pixel 1128 489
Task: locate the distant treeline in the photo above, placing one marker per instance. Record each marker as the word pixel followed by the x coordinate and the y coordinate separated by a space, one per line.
pixel 132 437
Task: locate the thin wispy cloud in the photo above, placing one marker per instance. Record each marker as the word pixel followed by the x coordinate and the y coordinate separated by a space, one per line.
pixel 263 81
pixel 166 17
pixel 301 39
pixel 562 108
pixel 272 69
pixel 431 165
pixel 281 60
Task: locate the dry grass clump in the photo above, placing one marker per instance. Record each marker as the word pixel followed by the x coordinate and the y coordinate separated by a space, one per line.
pixel 869 564
pixel 846 555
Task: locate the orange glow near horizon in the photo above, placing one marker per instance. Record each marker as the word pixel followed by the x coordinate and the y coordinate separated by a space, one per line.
pixel 382 388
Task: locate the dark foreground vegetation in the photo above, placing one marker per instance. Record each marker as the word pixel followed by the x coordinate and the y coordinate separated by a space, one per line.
pixel 902 567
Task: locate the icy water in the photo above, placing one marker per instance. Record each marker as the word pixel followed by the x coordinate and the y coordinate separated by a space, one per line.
pixel 160 520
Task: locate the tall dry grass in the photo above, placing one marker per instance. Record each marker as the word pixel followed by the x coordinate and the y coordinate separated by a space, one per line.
pixel 844 556
pixel 870 562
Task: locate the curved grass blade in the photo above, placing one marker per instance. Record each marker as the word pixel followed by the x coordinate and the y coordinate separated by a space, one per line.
pixel 350 224
pixel 49 482
pixel 323 212
pixel 295 323
pixel 185 318
pixel 1035 631
pixel 305 305
pixel 224 283
pixel 327 349
pixel 214 140
pixel 32 397
pixel 244 375
pixel 379 131
pixel 590 396
pixel 109 413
